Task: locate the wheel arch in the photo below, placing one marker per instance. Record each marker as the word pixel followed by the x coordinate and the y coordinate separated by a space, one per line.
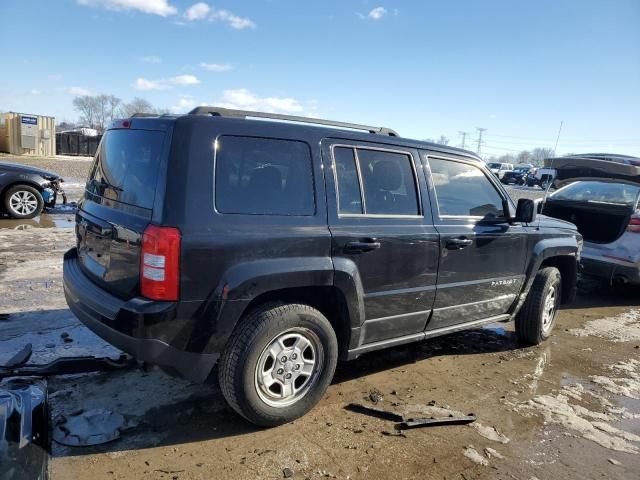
pixel 559 252
pixel 328 300
pixel 320 282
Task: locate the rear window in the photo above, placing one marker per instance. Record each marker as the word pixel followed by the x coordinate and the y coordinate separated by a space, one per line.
pixel 600 192
pixel 126 166
pixel 263 176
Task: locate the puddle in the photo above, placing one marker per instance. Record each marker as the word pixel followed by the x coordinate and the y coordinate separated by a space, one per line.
pixel 46 220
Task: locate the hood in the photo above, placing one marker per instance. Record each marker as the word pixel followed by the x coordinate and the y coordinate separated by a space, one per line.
pixel 597 166
pixel 17 168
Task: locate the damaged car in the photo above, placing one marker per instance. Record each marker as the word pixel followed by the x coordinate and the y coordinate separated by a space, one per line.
pixel 600 194
pixel 26 191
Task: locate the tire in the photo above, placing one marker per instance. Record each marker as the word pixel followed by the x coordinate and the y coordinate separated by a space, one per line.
pixel 23 201
pixel 253 358
pixel 537 317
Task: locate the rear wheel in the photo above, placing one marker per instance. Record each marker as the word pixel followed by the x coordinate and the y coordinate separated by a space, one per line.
pixel 537 317
pixel 23 201
pixel 278 363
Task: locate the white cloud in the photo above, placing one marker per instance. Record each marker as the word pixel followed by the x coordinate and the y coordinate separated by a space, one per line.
pixel 151 59
pixel 35 91
pixel 377 13
pixel 144 84
pixel 243 99
pixel 155 7
pixel 183 80
pixel 234 21
pixel 185 103
pixel 197 11
pixel 163 84
pixel 216 67
pixel 81 91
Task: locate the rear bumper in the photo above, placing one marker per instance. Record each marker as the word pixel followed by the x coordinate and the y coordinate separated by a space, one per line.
pixel 610 270
pixel 122 323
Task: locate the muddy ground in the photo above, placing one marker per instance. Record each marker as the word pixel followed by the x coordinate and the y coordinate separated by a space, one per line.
pixel 569 408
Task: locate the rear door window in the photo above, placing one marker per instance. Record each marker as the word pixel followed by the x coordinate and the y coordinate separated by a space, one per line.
pixel 126 166
pixel 263 176
pixel 375 182
pixel 463 190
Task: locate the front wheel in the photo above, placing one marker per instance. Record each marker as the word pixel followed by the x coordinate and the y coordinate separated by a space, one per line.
pixel 537 317
pixel 278 363
pixel 23 202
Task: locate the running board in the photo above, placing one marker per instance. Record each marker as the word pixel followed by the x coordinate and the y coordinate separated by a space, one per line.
pixel 417 337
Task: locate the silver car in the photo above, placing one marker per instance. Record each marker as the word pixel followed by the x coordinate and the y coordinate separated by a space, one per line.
pixel 600 194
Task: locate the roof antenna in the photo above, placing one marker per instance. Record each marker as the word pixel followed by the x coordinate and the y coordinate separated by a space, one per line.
pixel 555 149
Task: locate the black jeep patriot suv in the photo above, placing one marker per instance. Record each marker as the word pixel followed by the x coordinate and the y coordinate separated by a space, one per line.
pixel 274 248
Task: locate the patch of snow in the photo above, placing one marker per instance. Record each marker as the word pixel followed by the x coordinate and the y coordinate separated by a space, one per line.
pixel 620 328
pixel 472 454
pixel 490 433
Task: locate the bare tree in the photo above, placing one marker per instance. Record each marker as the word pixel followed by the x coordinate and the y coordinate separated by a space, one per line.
pixel 539 154
pixel 137 105
pixel 524 156
pixel 442 140
pixel 86 106
pixel 96 111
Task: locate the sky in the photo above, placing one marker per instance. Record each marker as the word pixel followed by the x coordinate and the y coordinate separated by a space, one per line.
pixel 424 68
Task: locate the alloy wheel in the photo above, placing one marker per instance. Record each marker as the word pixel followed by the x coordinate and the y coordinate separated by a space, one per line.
pixel 23 202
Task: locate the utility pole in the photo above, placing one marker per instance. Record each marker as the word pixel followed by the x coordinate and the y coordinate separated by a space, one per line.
pixel 480 132
pixel 464 137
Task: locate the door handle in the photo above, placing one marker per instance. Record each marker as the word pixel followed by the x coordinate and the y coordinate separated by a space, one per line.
pixel 458 243
pixel 362 247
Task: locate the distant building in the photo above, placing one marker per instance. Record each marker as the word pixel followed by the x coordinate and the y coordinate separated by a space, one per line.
pixel 26 134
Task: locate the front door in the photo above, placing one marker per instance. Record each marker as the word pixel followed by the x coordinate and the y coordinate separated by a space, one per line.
pixel 382 230
pixel 482 256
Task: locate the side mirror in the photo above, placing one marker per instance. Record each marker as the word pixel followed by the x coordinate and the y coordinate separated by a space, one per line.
pixel 526 211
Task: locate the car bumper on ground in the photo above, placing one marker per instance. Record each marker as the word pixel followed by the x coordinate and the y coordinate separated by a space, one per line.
pixel 121 323
pixel 613 270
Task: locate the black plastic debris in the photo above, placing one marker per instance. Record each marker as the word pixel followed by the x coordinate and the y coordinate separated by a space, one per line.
pixel 92 427
pixel 20 358
pixel 435 422
pixel 407 424
pixel 69 365
pixel 24 440
pixel 4 316
pixel 374 412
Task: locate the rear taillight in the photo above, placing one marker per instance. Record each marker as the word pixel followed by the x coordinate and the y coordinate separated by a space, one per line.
pixel 160 263
pixel 634 225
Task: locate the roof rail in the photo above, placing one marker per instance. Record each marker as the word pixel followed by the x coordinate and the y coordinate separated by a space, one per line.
pixel 227 112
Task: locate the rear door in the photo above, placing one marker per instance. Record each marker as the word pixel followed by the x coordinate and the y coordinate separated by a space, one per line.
pixel 381 227
pixel 118 205
pixel 482 256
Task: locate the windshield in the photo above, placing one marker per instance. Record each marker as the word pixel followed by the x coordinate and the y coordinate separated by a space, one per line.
pixel 600 192
pixel 494 165
pixel 126 166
